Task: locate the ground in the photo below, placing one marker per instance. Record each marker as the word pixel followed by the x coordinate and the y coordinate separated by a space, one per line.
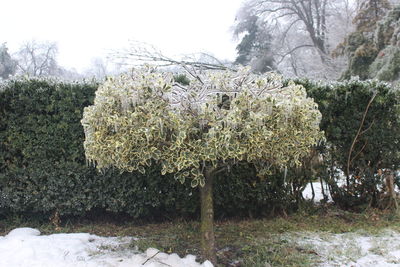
pixel 26 247
pixel 315 235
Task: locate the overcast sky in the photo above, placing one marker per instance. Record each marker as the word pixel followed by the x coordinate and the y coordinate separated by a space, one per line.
pixel 84 29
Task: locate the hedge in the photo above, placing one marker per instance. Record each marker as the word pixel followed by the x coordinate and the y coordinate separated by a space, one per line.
pixel 362 117
pixel 43 167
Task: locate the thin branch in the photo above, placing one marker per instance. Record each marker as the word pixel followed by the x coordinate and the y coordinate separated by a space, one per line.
pixel 369 127
pixel 144 53
pixel 151 257
pixel 359 152
pixel 356 137
pixel 283 38
pixel 292 50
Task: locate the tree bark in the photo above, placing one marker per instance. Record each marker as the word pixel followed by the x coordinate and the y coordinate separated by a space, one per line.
pixel 389 181
pixel 207 218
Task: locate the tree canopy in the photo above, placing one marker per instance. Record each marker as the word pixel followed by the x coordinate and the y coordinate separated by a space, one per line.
pixel 220 118
pixel 373 49
pixel 38 59
pixel 199 128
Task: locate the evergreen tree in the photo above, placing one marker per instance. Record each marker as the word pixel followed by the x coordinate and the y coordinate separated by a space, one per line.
pixel 370 12
pixel 363 46
pixel 255 46
pixel 7 64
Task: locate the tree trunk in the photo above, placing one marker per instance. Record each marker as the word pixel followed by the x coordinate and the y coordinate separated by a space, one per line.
pixel 389 181
pixel 207 219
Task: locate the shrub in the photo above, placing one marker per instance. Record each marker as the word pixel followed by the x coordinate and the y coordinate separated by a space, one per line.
pixel 376 139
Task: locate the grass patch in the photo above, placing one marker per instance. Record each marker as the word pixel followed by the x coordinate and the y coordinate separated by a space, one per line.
pixel 240 242
pixel 277 251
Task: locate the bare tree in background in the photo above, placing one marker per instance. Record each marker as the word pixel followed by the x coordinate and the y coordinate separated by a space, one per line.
pixel 304 32
pixel 308 15
pixel 38 59
pixel 99 68
pixel 139 53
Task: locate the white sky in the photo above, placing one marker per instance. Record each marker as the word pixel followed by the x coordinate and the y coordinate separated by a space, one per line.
pixel 84 29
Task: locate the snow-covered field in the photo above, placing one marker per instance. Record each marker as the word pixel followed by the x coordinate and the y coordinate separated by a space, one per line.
pixel 25 247
pixel 352 249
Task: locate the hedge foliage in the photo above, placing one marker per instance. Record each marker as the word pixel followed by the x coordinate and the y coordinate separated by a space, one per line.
pixel 43 167
pixel 361 121
pixel 40 120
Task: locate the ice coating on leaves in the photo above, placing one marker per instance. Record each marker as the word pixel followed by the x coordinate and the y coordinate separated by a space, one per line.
pixel 219 119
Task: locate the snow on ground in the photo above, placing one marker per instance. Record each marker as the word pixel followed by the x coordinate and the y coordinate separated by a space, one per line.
pixel 353 249
pixel 25 247
pixel 349 249
pixel 307 193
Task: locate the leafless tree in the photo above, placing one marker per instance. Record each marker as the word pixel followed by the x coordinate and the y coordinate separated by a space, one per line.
pixel 70 74
pixel 99 68
pixel 309 15
pixel 38 59
pixel 140 53
pixel 305 32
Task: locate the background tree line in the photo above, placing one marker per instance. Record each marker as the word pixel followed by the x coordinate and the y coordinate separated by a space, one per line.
pixel 40 59
pixel 317 39
pixel 320 39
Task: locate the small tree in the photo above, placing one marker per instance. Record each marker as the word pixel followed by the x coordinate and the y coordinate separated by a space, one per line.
pixel 195 131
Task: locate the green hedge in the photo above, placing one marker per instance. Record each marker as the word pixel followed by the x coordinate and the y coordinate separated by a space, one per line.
pixel 40 119
pixel 343 105
pixel 75 189
pixel 43 167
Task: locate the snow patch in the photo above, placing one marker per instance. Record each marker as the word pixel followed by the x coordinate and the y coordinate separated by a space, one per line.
pixel 23 232
pixel 26 247
pixel 307 192
pixel 354 249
